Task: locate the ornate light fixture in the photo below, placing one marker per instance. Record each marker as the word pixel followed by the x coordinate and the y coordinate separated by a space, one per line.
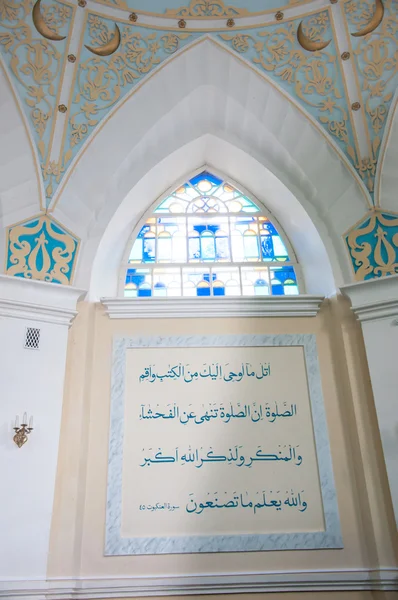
pixel 22 431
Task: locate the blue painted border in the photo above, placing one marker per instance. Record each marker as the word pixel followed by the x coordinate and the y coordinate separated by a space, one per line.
pixel 115 545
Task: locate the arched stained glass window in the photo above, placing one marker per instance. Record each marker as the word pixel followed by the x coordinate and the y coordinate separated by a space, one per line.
pixel 207 238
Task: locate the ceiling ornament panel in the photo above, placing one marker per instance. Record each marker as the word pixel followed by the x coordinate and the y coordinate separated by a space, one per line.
pixel 373 245
pixel 41 248
pixel 33 48
pixel 71 67
pixel 101 82
pixel 302 56
pixel 314 78
pixel 376 60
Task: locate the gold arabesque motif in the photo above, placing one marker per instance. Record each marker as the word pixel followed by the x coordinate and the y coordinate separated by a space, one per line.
pixel 35 61
pixel 308 44
pixel 41 25
pixel 376 61
pixel 206 8
pixel 108 48
pixel 308 74
pixel 100 82
pixel 374 21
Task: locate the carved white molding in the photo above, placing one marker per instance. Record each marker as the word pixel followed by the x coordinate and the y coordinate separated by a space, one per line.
pixel 38 301
pixel 383 579
pixel 163 308
pixel 374 299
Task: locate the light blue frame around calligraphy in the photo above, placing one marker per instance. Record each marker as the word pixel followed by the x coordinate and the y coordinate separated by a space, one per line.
pixel 115 545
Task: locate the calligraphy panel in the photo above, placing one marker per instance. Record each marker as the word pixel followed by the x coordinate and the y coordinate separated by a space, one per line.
pixel 218 443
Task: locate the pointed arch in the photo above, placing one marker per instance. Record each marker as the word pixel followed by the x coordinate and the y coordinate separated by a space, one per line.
pixel 207 237
pixel 210 92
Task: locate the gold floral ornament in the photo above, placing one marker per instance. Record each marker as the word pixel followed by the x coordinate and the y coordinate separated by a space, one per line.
pixel 32 44
pixel 41 25
pixel 110 47
pixel 41 248
pixel 374 21
pixel 207 8
pixel 373 245
pixel 307 43
pixel 376 61
pixel 102 81
pixel 312 77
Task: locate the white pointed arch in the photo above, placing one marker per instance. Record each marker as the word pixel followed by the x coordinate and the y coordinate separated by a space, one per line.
pixel 164 130
pixel 214 264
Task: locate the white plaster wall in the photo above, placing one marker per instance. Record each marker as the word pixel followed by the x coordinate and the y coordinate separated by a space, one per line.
pixel 31 381
pixel 375 302
pixel 381 340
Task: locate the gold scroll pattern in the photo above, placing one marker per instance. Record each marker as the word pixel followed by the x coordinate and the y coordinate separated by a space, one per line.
pixel 376 60
pixel 42 249
pixel 312 77
pixel 207 8
pixel 35 62
pixel 373 245
pixel 103 81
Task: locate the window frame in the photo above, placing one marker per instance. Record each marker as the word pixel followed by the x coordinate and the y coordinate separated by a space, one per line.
pixel 149 213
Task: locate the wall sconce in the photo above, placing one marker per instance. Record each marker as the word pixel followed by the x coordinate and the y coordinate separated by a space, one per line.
pixel 22 432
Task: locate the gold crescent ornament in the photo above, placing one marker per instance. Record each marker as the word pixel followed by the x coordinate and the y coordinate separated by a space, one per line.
pixel 41 26
pixel 306 43
pixel 110 47
pixel 374 21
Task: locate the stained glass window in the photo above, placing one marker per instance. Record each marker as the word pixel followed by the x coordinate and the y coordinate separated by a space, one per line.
pixel 207 238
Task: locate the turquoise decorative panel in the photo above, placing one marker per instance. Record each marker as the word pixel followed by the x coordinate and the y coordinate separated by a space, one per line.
pixel 34 49
pixel 373 245
pixel 375 55
pixel 41 248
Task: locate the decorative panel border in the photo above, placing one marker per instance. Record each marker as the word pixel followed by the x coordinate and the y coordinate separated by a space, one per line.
pixel 115 544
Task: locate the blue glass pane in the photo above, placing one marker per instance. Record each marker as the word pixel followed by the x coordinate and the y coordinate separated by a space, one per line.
pixel 194 248
pixel 203 291
pixel 267 247
pixel 144 293
pixel 207 246
pixel 133 277
pixel 278 278
pixel 149 250
pixel 219 291
pixel 205 175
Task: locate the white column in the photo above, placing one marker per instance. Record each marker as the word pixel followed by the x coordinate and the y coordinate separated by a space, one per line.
pixel 32 381
pixel 375 303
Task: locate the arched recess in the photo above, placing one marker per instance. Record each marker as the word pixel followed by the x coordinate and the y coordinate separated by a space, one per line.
pixel 19 180
pixel 388 183
pixel 169 127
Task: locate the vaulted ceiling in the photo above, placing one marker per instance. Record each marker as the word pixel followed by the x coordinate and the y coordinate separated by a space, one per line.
pixel 71 65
